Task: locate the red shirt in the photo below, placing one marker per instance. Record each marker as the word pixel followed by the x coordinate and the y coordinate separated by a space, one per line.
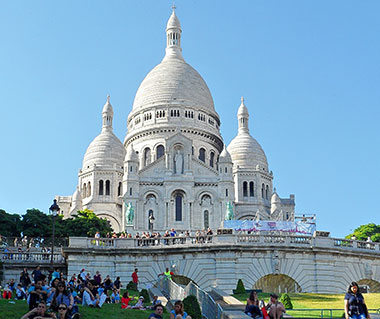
pixel 125 302
pixel 135 278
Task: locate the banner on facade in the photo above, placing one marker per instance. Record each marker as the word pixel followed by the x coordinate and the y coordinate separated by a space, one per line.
pixel 297 227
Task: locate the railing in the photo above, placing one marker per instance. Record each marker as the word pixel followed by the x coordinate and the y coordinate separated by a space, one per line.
pixel 32 242
pixel 254 240
pixel 210 309
pixel 12 257
pixel 319 313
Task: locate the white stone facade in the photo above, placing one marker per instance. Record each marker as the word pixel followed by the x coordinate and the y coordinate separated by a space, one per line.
pixel 173 168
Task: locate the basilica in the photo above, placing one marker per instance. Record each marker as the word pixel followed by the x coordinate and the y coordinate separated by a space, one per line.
pixel 173 169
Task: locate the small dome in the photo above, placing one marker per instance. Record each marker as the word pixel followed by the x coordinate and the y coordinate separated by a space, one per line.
pixel 77 197
pixel 224 156
pixel 246 152
pixel 275 199
pixel 131 155
pixel 173 22
pixel 107 108
pixel 105 150
pixel 242 108
pixel 176 82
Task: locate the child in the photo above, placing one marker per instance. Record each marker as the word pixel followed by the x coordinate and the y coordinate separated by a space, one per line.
pixel 115 297
pixel 139 304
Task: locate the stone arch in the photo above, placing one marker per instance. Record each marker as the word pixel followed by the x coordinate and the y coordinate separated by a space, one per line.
pixel 115 223
pixel 278 283
pixel 373 285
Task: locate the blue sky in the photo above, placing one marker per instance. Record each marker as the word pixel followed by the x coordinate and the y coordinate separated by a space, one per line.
pixel 309 72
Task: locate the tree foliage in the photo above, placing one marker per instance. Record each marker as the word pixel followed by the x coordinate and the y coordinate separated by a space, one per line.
pixel 9 224
pixel 364 231
pixel 286 301
pixel 240 289
pixel 35 223
pixel 192 307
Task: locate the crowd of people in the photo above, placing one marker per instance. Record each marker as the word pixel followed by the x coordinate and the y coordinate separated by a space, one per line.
pixel 169 237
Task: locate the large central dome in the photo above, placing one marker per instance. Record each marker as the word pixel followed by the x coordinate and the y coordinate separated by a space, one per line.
pixel 173 80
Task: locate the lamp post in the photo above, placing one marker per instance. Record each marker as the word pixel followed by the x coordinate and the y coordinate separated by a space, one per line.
pixel 53 210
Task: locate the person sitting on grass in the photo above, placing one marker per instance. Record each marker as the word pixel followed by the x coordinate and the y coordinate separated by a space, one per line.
pixel 39 312
pixel 63 312
pixel 36 295
pixel 158 311
pixel 139 305
pixel 91 297
pixel 275 308
pixel 155 301
pixel 179 312
pixel 20 292
pixel 125 300
pixel 63 296
pixel 115 297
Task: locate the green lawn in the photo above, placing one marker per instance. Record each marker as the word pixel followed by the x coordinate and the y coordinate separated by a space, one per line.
pixel 108 311
pixel 317 301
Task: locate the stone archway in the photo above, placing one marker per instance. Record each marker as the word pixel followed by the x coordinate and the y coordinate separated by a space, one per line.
pixel 373 285
pixel 277 283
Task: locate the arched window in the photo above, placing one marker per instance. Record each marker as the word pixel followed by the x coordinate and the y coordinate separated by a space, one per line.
pixel 251 189
pixel 147 156
pixel 178 207
pixel 206 219
pixel 101 187
pixel 88 189
pixel 202 154
pixel 267 192
pixel 212 155
pixel 262 190
pixel 160 151
pixel 108 188
pixel 84 190
pixel 120 189
pixel 245 189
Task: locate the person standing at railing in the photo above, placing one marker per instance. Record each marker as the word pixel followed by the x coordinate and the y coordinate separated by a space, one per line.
pixel 97 237
pixel 354 305
pixel 167 273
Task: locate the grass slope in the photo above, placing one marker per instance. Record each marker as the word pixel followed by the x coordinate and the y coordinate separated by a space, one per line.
pixel 317 301
pixel 108 311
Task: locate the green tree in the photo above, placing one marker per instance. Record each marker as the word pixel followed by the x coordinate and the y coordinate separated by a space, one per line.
pixel 192 307
pixel 86 223
pixel 10 224
pixel 364 231
pixel 286 301
pixel 240 289
pixel 36 224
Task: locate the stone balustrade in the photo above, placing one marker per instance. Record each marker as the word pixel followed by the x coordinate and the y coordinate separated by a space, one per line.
pixel 225 239
pixel 31 257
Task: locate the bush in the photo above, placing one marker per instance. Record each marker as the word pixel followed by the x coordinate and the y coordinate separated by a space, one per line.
pixel 132 286
pixel 240 289
pixel 145 294
pixel 192 307
pixel 285 299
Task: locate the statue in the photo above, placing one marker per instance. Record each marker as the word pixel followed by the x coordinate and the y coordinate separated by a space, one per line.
pixel 229 212
pixel 129 213
pixel 178 162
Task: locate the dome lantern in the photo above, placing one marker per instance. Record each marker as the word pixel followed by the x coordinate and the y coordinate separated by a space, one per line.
pixel 173 37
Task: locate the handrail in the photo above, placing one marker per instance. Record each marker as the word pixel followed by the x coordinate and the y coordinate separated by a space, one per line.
pixel 223 239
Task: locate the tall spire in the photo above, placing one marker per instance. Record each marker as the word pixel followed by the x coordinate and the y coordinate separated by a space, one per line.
pixel 173 37
pixel 107 115
pixel 243 117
